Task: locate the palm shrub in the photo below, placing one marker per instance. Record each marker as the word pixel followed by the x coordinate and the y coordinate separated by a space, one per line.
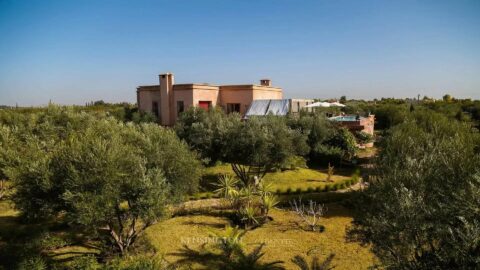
pixel 227 186
pixel 251 261
pixel 249 215
pixel 230 240
pixel 269 201
pixel 315 264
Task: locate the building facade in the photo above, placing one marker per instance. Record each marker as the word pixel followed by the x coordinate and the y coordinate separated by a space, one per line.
pixel 168 100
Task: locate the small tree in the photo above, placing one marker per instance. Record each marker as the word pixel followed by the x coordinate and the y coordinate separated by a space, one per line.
pixel 330 172
pixel 310 214
pixel 260 144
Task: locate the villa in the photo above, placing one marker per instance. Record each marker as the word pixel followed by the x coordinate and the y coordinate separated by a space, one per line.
pixel 168 100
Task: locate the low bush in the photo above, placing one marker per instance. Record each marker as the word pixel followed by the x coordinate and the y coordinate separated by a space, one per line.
pixel 33 263
pixel 289 190
pixel 49 241
pixel 84 263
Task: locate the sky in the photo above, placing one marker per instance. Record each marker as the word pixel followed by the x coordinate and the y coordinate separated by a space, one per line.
pixel 73 52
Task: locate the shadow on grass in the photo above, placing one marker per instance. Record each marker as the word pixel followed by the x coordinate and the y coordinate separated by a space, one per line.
pixel 209 224
pixel 236 260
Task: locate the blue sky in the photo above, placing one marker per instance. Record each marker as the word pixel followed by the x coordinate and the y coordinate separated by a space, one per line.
pixel 71 52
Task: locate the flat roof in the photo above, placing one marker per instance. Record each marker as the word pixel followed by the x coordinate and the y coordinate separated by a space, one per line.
pixel 183 86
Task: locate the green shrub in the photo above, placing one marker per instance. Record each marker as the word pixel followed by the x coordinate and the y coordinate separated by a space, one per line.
pixel 137 263
pixel 298 190
pixel 341 186
pixel 50 242
pixel 84 263
pixel 289 190
pixel 327 188
pixel 318 189
pixel 310 189
pixel 279 191
pixel 33 263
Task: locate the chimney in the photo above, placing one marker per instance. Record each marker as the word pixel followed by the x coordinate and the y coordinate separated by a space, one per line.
pixel 266 82
pixel 166 97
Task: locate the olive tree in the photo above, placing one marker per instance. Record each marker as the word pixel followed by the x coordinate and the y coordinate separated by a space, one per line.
pixel 422 212
pixel 260 144
pixel 328 141
pixel 205 132
pixel 7 156
pixel 106 177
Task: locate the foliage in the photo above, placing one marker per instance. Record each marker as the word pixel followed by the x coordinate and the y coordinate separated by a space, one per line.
pixel 229 240
pixel 104 175
pixel 227 186
pixel 260 144
pixel 363 137
pixel 85 263
pixel 422 212
pixel 139 263
pixel 33 263
pixel 389 115
pixel 269 201
pixel 447 98
pixel 251 203
pixel 315 264
pixel 206 131
pixel 328 141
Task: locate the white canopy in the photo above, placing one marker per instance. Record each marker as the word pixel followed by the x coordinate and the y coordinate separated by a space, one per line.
pixel 337 104
pixel 325 104
pixel 318 104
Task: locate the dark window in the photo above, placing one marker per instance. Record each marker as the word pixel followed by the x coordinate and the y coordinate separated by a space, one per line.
pixel 155 108
pixel 180 107
pixel 233 107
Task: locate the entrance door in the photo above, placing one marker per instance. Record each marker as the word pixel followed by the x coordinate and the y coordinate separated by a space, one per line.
pixel 205 105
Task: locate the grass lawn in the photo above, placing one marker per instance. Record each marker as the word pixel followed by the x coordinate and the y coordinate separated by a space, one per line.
pixel 300 178
pixel 282 236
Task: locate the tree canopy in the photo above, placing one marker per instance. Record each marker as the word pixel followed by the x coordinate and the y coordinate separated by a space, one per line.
pixel 104 175
pixel 422 211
